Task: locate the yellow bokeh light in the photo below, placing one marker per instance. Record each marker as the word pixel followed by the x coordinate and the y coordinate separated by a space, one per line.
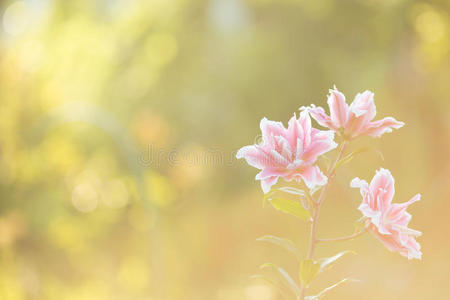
pixel 85 197
pixel 159 189
pixel 151 129
pixel 430 26
pixel 141 219
pixel 62 153
pixel 161 48
pixel 258 292
pixel 12 227
pixel 115 194
pixel 31 56
pixel 66 234
pixel 134 274
pixel 10 287
pixel 89 291
pixel 16 18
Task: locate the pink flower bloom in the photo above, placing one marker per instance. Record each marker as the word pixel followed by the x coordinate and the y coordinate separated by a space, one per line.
pixel 387 221
pixel 289 153
pixel 354 120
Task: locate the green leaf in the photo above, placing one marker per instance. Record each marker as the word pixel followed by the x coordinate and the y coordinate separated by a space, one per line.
pixel 282 242
pixel 272 284
pixel 326 161
pixel 305 197
pixel 324 291
pixel 268 196
pixel 351 155
pixel 289 282
pixel 326 262
pixel 292 190
pixel 308 271
pixel 306 203
pixel 290 207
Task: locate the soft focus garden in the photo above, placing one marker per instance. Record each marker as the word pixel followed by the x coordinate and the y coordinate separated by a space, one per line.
pixel 120 122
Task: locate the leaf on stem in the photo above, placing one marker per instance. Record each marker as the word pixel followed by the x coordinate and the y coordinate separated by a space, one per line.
pixel 305 197
pixel 292 190
pixel 291 207
pixel 268 196
pixel 308 271
pixel 326 161
pixel 324 291
pixel 287 279
pixel 326 262
pixel 351 155
pixel 282 242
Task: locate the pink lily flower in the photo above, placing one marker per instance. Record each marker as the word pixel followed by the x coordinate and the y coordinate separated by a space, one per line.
pixel 386 221
pixel 354 120
pixel 289 153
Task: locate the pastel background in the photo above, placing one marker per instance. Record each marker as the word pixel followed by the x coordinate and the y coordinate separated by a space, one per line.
pixel 119 121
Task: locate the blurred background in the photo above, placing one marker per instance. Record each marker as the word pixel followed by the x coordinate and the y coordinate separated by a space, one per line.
pixel 120 119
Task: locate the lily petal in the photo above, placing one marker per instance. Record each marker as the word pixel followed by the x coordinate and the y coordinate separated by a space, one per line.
pixel 380 127
pixel 338 108
pixel 312 176
pixel 318 113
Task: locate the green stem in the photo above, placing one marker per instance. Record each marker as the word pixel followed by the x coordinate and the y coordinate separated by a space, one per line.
pixel 317 205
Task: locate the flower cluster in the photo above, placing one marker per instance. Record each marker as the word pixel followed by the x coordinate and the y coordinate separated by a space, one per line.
pixel 387 221
pixel 354 120
pixel 291 153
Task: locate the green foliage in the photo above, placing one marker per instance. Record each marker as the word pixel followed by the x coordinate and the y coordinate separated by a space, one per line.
pixel 292 190
pixel 287 279
pixel 287 205
pixel 349 157
pixel 291 207
pixel 310 268
pixel 308 271
pixel 268 196
pixel 324 291
pixel 282 242
pixel 325 263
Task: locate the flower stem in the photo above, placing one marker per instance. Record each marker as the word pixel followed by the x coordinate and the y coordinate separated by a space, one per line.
pixel 317 205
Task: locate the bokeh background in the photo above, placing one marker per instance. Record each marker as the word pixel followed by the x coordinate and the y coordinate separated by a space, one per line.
pixel 119 121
